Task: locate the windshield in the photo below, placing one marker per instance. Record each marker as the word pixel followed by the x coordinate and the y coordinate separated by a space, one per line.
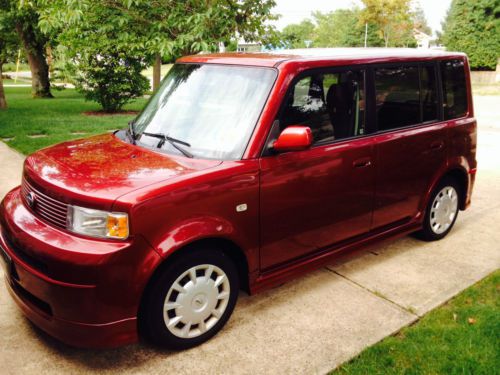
pixel 208 110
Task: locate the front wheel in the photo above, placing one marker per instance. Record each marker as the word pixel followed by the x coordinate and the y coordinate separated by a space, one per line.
pixel 191 300
pixel 442 211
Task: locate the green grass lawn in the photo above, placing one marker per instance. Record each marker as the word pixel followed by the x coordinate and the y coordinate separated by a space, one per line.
pixel 55 119
pixel 460 337
pixel 20 81
pixel 11 67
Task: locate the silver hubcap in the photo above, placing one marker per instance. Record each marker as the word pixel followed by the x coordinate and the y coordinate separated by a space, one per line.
pixel 444 209
pixel 196 301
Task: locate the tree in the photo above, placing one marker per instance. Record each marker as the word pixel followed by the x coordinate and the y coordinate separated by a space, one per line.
pixel 9 43
pixel 295 35
pixel 392 19
pixel 23 16
pixel 420 22
pixel 144 31
pixel 343 28
pixel 474 28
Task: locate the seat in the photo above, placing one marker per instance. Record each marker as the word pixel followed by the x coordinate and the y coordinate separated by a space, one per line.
pixel 340 106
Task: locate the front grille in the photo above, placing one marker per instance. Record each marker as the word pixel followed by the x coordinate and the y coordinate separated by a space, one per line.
pixel 46 208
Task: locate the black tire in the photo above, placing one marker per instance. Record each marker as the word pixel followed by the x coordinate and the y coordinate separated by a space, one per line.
pixel 427 233
pixel 152 322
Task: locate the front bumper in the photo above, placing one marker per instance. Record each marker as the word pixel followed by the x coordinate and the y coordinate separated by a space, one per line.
pixel 82 291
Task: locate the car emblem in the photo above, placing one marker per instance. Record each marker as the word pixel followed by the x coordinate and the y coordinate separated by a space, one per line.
pixel 30 199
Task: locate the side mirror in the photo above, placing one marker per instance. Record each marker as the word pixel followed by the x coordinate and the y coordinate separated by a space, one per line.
pixel 294 138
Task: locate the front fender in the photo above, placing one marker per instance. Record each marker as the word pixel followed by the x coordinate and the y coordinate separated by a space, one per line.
pixel 193 230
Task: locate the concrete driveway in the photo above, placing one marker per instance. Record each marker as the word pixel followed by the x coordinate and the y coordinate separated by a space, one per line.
pixel 312 324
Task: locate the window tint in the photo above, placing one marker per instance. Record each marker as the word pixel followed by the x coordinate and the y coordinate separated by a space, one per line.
pixel 331 104
pixel 398 97
pixel 454 89
pixel 428 93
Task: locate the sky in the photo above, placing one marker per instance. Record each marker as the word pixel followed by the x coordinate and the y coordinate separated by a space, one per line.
pixel 294 11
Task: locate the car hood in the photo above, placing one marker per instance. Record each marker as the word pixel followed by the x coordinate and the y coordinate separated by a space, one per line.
pixel 102 168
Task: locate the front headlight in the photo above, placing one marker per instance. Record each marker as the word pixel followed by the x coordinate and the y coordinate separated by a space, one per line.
pixel 97 223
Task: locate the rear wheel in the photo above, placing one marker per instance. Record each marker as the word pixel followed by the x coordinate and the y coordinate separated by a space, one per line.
pixel 442 211
pixel 191 300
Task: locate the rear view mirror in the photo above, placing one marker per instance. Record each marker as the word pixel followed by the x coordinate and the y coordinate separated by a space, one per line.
pixel 294 138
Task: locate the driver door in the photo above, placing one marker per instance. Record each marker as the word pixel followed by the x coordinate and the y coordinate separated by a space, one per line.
pixel 313 199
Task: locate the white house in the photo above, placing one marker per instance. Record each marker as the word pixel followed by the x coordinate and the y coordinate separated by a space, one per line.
pixel 423 40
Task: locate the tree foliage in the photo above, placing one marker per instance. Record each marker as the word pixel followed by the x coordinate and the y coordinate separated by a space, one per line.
pixel 23 17
pixel 9 41
pixel 389 23
pixel 296 34
pixel 169 27
pixel 131 33
pixel 344 28
pixel 420 22
pixel 393 19
pixel 473 27
pixel 9 44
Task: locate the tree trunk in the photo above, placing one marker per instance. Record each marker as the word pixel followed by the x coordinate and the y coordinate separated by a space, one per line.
pixel 3 102
pixel 50 59
pixel 157 72
pixel 35 51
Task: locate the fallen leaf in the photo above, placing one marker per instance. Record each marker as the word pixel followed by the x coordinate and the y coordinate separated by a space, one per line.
pixel 471 320
pixel 455 316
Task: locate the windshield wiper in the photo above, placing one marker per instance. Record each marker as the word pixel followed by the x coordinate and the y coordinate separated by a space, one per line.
pixel 173 141
pixel 131 131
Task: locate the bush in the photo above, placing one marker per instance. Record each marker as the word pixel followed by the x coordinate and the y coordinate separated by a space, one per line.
pixel 473 27
pixel 112 79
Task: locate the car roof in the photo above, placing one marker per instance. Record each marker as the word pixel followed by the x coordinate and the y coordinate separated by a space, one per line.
pixel 275 58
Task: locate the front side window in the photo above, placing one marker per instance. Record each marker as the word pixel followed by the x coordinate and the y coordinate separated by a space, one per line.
pixel 397 97
pixel 331 104
pixel 208 110
pixel 454 89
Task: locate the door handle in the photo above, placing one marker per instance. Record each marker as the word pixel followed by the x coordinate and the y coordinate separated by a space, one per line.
pixel 436 145
pixel 361 163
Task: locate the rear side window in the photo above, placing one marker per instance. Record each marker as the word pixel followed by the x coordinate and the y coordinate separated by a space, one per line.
pixel 454 89
pixel 397 96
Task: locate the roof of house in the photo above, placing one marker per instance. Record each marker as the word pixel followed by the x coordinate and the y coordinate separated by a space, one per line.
pixel 274 58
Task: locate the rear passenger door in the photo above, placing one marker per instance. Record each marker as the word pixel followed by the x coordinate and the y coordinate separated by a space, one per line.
pixel 410 142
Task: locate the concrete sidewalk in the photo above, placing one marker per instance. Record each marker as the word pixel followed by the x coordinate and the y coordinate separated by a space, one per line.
pixel 11 169
pixel 310 325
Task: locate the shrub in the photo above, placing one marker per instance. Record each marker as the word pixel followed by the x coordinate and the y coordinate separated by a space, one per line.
pixel 111 78
pixel 473 27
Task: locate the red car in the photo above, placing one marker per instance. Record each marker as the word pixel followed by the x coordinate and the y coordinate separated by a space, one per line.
pixel 242 172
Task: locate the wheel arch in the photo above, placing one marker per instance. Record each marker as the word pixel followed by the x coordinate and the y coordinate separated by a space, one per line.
pixel 228 247
pixel 459 174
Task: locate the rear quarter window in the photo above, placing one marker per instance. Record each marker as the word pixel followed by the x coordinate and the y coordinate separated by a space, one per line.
pixel 454 89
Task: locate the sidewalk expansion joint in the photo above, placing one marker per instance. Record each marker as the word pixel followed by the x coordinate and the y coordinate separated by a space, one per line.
pixel 375 293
